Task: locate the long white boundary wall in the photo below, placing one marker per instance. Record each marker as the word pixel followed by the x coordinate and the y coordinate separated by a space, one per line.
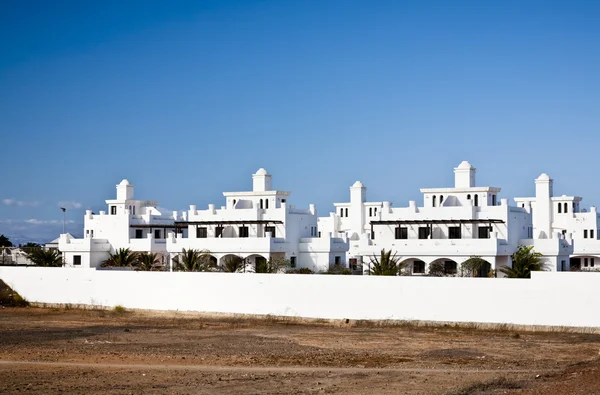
pixel 549 298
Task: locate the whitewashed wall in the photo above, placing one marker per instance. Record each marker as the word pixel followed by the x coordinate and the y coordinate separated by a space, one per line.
pixel 546 299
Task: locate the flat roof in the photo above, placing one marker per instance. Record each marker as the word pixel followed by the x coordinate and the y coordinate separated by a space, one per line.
pixel 437 221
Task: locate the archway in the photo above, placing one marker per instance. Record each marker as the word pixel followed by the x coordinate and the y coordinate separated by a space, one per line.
pixel 475 267
pixel 412 266
pixel 443 267
pixel 258 263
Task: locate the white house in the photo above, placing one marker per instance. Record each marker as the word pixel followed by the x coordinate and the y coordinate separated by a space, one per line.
pixel 452 225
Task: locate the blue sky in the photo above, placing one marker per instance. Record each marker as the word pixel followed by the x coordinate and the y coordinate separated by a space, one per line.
pixel 186 99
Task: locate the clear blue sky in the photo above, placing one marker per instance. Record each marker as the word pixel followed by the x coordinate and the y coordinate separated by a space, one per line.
pixel 186 99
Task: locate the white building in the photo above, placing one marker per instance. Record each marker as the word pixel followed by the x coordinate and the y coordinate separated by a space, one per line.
pixel 452 225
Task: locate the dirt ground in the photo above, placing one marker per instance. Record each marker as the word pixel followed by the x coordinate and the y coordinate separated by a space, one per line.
pixel 51 351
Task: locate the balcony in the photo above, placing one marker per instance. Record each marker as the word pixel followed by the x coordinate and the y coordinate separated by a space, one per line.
pixel 148 244
pixel 232 245
pixel 438 247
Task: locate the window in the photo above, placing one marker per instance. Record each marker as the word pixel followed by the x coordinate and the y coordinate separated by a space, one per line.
pixel 585 234
pixel 353 263
pixel 433 201
pixel 243 231
pixel 591 233
pixel 449 267
pixel 454 232
pixel 282 200
pixel 370 211
pixel 591 262
pixel 133 210
pixel 401 233
pixel 270 229
pixel 261 203
pixel 234 202
pixel 566 208
pixel 419 267
pixel 469 197
pixel 560 208
pixel 266 203
pixel 375 211
pixel 337 260
pixel 585 262
pixel 341 212
pixel 139 233
pixel 219 231
pixel 113 210
pixel 441 199
pixel 484 232
pixel 346 212
pixel 476 200
pixel 76 260
pixel 201 233
pixel 319 234
pixel 494 200
pixel 157 233
pixel 372 235
pixel 564 232
pixel 424 232
pixel 293 261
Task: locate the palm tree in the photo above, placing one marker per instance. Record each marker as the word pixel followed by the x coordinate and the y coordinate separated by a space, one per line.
pixel 147 261
pixel 48 258
pixel 194 261
pixel 233 264
pixel 524 261
pixel 123 257
pixel 385 265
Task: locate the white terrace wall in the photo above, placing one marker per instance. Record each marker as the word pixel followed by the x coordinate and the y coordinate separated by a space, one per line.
pixel 546 299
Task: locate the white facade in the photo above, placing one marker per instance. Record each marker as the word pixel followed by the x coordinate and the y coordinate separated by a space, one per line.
pixel 452 225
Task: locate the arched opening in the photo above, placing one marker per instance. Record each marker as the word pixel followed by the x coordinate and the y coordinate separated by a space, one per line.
pixel 469 197
pixel 475 267
pixel 346 212
pixel 258 263
pixel 266 203
pixel 476 200
pixel 433 201
pixel 370 211
pixel 413 266
pixel 261 204
pixel 443 267
pixel 566 210
pixel 232 263
pixel 560 208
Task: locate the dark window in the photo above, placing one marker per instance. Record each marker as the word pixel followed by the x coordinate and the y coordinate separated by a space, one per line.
pixel 449 267
pixel 337 260
pixel 293 261
pixel 372 235
pixel 418 267
pixel 560 208
pixel 585 262
pixel 476 200
pixel 270 229
pixel 341 212
pixel 346 212
pixel 319 233
pixel 441 199
pixel 353 263
pixel 591 233
pixel 77 260
pixel 139 233
pixel 234 202
pixel 585 233
pixel 266 203
pixel 433 200
pixel 113 210
pixel 157 233
pixel 566 210
pixel 261 203
pixel 564 232
pixel 243 230
pixel 484 232
pixel 370 211
pixel 469 197
pixel 282 200
pixel 454 232
pixel 591 262
pixel 493 200
pixel 375 211
pixel 401 233
pixel 218 231
pixel 201 233
pixel 424 232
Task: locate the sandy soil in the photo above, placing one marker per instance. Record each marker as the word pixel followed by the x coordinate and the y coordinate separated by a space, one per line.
pixel 50 351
